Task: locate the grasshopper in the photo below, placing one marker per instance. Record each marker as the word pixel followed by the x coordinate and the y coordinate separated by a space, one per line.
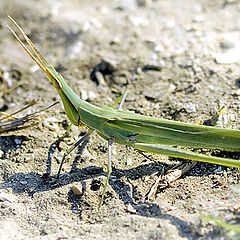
pixel 144 133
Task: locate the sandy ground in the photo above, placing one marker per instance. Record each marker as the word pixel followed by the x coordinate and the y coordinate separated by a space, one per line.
pixel 173 56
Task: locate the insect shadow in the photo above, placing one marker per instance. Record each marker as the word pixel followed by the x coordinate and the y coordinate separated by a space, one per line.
pixel 34 183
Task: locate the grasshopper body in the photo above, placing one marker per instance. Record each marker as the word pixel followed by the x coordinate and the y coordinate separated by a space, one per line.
pixel 144 133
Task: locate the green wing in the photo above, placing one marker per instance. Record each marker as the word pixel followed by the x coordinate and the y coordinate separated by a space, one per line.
pixel 136 128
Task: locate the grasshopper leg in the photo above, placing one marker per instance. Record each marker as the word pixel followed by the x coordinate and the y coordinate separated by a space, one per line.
pixel 109 170
pixel 82 139
pixel 110 142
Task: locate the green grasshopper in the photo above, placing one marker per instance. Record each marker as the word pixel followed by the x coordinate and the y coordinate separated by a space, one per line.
pixel 150 134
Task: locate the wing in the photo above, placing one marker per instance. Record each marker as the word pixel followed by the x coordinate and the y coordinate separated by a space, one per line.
pixel 136 128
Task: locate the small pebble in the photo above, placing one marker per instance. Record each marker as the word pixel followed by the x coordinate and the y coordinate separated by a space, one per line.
pixel 139 70
pixel 77 189
pixel 75 211
pixel 218 170
pixel 236 207
pixel 18 141
pixel 28 159
pixel 129 162
pixel 91 95
pixel 131 209
pixel 100 78
pixel 86 26
pixel 34 68
pixel 228 57
pixel 88 95
pixel 84 94
pixel 12 104
pixel 7 78
pixel 63 145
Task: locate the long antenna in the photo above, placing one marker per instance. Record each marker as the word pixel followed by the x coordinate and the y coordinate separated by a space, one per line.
pixel 39 59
